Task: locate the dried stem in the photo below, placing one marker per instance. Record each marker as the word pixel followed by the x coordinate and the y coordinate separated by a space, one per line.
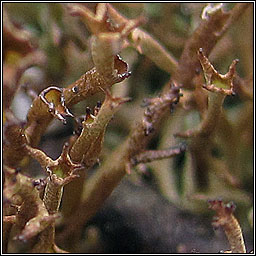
pixel 145 44
pixel 219 86
pixel 205 36
pixel 100 185
pixel 30 213
pixel 61 172
pixel 152 155
pixel 137 38
pixel 43 110
pixel 227 220
pixel 92 82
pixel 88 145
pixel 32 217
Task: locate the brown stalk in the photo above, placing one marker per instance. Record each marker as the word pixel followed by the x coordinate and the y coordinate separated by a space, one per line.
pixel 93 81
pixel 122 28
pixel 145 44
pixel 106 42
pixel 205 36
pixel 87 148
pixel 86 142
pixel 43 111
pixel 107 177
pixel 32 216
pixel 94 130
pixel 219 86
pixel 229 223
pixel 61 172
pixel 153 155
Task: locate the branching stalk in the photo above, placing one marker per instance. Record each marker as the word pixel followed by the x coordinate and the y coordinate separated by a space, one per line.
pixel 227 220
pixel 205 36
pixel 100 185
pixel 219 86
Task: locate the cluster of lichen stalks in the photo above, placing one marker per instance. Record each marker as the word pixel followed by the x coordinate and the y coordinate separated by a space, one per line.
pixel 31 206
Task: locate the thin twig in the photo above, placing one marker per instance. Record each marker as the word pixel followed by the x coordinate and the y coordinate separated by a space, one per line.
pixel 153 155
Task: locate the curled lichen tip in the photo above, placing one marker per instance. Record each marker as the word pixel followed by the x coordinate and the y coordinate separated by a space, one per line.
pixel 54 99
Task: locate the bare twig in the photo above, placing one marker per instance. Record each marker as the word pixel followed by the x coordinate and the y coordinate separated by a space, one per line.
pixel 227 220
pixel 152 155
pixel 100 185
